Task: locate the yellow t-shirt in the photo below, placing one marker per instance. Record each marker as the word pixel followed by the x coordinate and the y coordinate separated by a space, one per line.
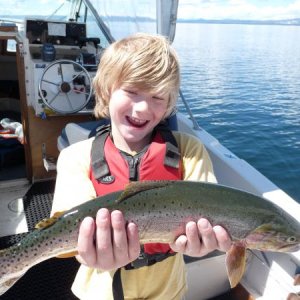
pixel 163 280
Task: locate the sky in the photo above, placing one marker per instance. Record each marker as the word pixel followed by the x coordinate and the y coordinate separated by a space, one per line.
pixel 188 9
pixel 239 9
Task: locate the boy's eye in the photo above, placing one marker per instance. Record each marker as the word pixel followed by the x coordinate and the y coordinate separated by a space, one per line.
pixel 130 92
pixel 158 98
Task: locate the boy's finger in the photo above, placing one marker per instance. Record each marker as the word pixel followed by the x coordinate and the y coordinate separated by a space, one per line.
pixel 86 248
pixel 209 241
pixel 179 245
pixel 120 245
pixel 193 246
pixel 105 257
pixel 223 239
pixel 133 241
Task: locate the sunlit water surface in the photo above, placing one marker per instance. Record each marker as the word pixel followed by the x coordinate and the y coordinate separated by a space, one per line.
pixel 243 85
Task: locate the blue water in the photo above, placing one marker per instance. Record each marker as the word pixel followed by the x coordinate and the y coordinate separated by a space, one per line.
pixel 243 84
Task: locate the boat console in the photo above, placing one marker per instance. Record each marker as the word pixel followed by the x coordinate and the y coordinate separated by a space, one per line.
pixel 62 61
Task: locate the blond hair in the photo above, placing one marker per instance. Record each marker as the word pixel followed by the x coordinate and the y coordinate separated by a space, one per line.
pixel 143 61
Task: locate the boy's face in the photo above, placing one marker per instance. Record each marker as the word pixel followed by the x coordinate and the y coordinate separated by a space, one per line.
pixel 134 114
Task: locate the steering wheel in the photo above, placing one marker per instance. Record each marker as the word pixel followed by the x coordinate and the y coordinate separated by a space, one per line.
pixel 65 86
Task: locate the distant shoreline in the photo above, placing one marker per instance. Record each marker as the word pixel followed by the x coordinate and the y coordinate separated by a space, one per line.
pixel 294 22
pixel 289 22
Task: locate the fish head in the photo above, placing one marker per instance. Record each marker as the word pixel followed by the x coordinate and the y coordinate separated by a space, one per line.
pixel 278 237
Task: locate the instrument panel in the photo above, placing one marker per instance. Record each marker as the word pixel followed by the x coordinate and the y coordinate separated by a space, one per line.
pixel 56 33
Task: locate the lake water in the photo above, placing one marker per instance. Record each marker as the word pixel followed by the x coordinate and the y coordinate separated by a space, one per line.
pixel 243 85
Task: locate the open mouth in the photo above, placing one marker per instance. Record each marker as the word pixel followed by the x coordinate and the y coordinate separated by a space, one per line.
pixel 136 122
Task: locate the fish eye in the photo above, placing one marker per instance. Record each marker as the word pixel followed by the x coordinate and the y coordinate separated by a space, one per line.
pixel 291 239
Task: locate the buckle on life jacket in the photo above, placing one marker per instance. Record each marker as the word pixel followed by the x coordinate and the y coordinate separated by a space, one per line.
pixel 140 262
pixel 145 259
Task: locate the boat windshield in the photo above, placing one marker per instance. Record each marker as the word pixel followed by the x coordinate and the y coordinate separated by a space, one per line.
pixel 17 11
pixel 122 17
pixel 127 16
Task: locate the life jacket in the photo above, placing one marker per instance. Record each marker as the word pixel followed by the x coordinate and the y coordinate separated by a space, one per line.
pixel 111 172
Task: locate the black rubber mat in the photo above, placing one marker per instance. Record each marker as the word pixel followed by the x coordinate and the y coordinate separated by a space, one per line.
pixel 51 279
pixel 37 202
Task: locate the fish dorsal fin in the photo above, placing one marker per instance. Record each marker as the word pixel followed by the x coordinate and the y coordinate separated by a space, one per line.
pixel 235 264
pixel 49 221
pixel 136 187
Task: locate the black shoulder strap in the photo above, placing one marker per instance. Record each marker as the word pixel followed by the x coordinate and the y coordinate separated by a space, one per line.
pixel 98 162
pixel 117 287
pixel 172 157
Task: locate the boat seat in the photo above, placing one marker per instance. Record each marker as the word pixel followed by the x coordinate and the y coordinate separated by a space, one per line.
pixel 76 132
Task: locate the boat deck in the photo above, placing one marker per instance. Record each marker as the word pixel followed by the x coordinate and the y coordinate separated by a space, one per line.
pixel 50 279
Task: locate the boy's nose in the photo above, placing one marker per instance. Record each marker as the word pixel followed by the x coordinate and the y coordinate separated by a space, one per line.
pixel 141 105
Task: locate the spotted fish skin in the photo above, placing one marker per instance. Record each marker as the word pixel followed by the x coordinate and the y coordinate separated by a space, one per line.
pixel 54 238
pixel 36 247
pixel 161 210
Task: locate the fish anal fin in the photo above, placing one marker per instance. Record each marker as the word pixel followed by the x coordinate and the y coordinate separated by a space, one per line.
pixel 136 187
pixel 293 296
pixel 235 264
pixel 68 254
pixel 297 279
pixel 49 221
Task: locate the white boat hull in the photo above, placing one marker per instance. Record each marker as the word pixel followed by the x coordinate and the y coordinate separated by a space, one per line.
pixel 269 275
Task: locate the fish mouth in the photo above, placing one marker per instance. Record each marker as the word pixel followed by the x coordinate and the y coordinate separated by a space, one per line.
pixel 290 248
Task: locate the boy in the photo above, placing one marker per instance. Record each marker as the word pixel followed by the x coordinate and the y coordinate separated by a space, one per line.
pixel 136 87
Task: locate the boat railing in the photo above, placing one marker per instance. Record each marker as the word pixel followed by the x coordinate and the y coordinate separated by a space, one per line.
pixel 189 111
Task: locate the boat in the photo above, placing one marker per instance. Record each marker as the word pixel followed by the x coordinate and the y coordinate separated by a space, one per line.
pixel 62 49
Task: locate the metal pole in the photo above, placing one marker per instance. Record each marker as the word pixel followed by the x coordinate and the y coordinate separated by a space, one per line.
pixel 189 111
pixel 100 22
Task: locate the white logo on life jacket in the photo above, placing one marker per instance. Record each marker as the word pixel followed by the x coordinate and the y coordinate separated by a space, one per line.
pixel 107 179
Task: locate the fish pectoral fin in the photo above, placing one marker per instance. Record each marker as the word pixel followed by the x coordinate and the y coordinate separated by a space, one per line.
pixel 235 264
pixel 49 221
pixel 134 188
pixel 68 254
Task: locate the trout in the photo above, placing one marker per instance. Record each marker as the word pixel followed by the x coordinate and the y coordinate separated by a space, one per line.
pixel 161 210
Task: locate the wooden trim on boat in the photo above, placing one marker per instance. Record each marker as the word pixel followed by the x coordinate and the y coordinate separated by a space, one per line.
pixel 24 109
pixel 44 133
pixel 10 27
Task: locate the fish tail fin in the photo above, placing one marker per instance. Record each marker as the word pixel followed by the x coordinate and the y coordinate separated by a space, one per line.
pixel 235 264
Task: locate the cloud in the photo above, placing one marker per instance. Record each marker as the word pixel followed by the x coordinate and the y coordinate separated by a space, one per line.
pixel 31 7
pixel 238 9
pixel 188 9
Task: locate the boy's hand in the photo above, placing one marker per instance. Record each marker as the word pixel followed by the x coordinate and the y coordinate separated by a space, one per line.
pixel 107 243
pixel 201 238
